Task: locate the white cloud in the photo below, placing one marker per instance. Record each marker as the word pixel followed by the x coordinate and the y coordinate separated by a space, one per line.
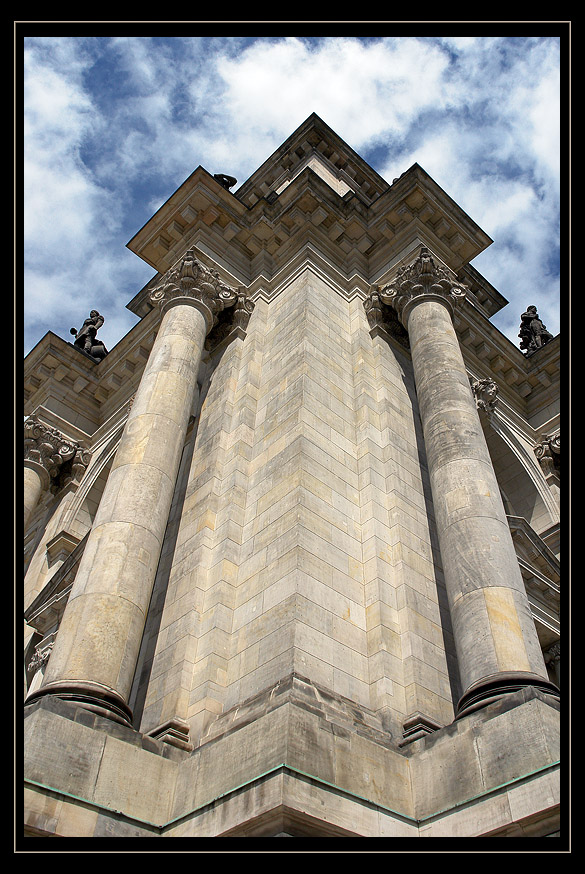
pixel 363 91
pixel 112 127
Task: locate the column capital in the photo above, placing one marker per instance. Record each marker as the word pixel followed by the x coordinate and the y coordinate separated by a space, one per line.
pixel 425 278
pixel 191 282
pixel 47 450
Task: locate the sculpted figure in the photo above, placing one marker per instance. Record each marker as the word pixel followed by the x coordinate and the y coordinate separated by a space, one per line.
pixel 485 392
pixel 533 334
pixel 85 338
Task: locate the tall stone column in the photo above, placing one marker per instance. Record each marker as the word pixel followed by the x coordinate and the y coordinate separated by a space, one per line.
pixel 36 480
pixel 45 452
pixel 96 650
pixel 495 637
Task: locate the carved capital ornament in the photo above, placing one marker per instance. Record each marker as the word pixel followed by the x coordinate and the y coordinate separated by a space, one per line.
pixel 47 449
pixel 384 318
pixel 191 281
pixel 422 279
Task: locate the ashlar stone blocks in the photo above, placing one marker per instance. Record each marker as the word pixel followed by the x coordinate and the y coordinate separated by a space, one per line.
pixel 303 541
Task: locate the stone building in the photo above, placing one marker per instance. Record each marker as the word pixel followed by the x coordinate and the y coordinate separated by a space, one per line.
pixel 291 546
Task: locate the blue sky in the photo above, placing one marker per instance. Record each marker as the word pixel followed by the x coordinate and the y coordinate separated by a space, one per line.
pixel 115 122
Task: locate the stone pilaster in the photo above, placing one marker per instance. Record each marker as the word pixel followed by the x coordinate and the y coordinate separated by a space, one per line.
pixel 495 637
pixel 95 653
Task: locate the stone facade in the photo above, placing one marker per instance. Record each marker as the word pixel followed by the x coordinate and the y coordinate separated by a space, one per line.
pixel 302 578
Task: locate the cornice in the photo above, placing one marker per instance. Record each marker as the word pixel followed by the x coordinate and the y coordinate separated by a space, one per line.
pixel 312 137
pixel 60 378
pixel 313 188
pixel 413 208
pixel 199 197
pixel 55 367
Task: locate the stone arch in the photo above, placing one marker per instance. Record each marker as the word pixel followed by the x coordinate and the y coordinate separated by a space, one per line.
pixel 526 492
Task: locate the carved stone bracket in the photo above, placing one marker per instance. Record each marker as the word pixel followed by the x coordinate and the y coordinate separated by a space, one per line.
pixel 485 392
pixel 553 657
pixel 553 653
pixel 548 452
pixel 423 277
pixel 190 279
pixel 62 459
pixel 231 322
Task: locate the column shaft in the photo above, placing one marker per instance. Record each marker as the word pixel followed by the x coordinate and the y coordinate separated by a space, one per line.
pixel 35 480
pixel 497 645
pixel 95 654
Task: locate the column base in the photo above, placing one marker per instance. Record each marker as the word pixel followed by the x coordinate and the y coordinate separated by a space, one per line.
pixel 103 702
pixel 490 689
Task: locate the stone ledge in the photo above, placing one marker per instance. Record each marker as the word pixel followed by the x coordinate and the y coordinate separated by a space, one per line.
pixel 89 777
pixel 513 739
pixel 340 714
pixel 77 713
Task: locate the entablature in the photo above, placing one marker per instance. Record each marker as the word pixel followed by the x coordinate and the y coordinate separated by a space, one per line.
pixel 348 227
pixel 63 380
pixel 313 189
pixel 313 141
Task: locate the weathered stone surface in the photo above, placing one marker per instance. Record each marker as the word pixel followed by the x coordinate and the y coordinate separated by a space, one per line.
pixel 296 530
pixel 297 751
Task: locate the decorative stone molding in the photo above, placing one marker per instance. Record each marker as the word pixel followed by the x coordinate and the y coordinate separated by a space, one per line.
pixel 175 732
pixel 548 452
pixel 485 392
pixel 61 546
pixel 190 279
pixel 417 725
pixel 423 277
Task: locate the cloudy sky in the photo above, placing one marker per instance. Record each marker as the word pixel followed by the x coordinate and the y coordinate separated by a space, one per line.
pixel 116 120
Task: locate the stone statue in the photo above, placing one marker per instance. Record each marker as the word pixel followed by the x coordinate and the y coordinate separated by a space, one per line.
pixel 533 334
pixel 85 338
pixel 225 180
